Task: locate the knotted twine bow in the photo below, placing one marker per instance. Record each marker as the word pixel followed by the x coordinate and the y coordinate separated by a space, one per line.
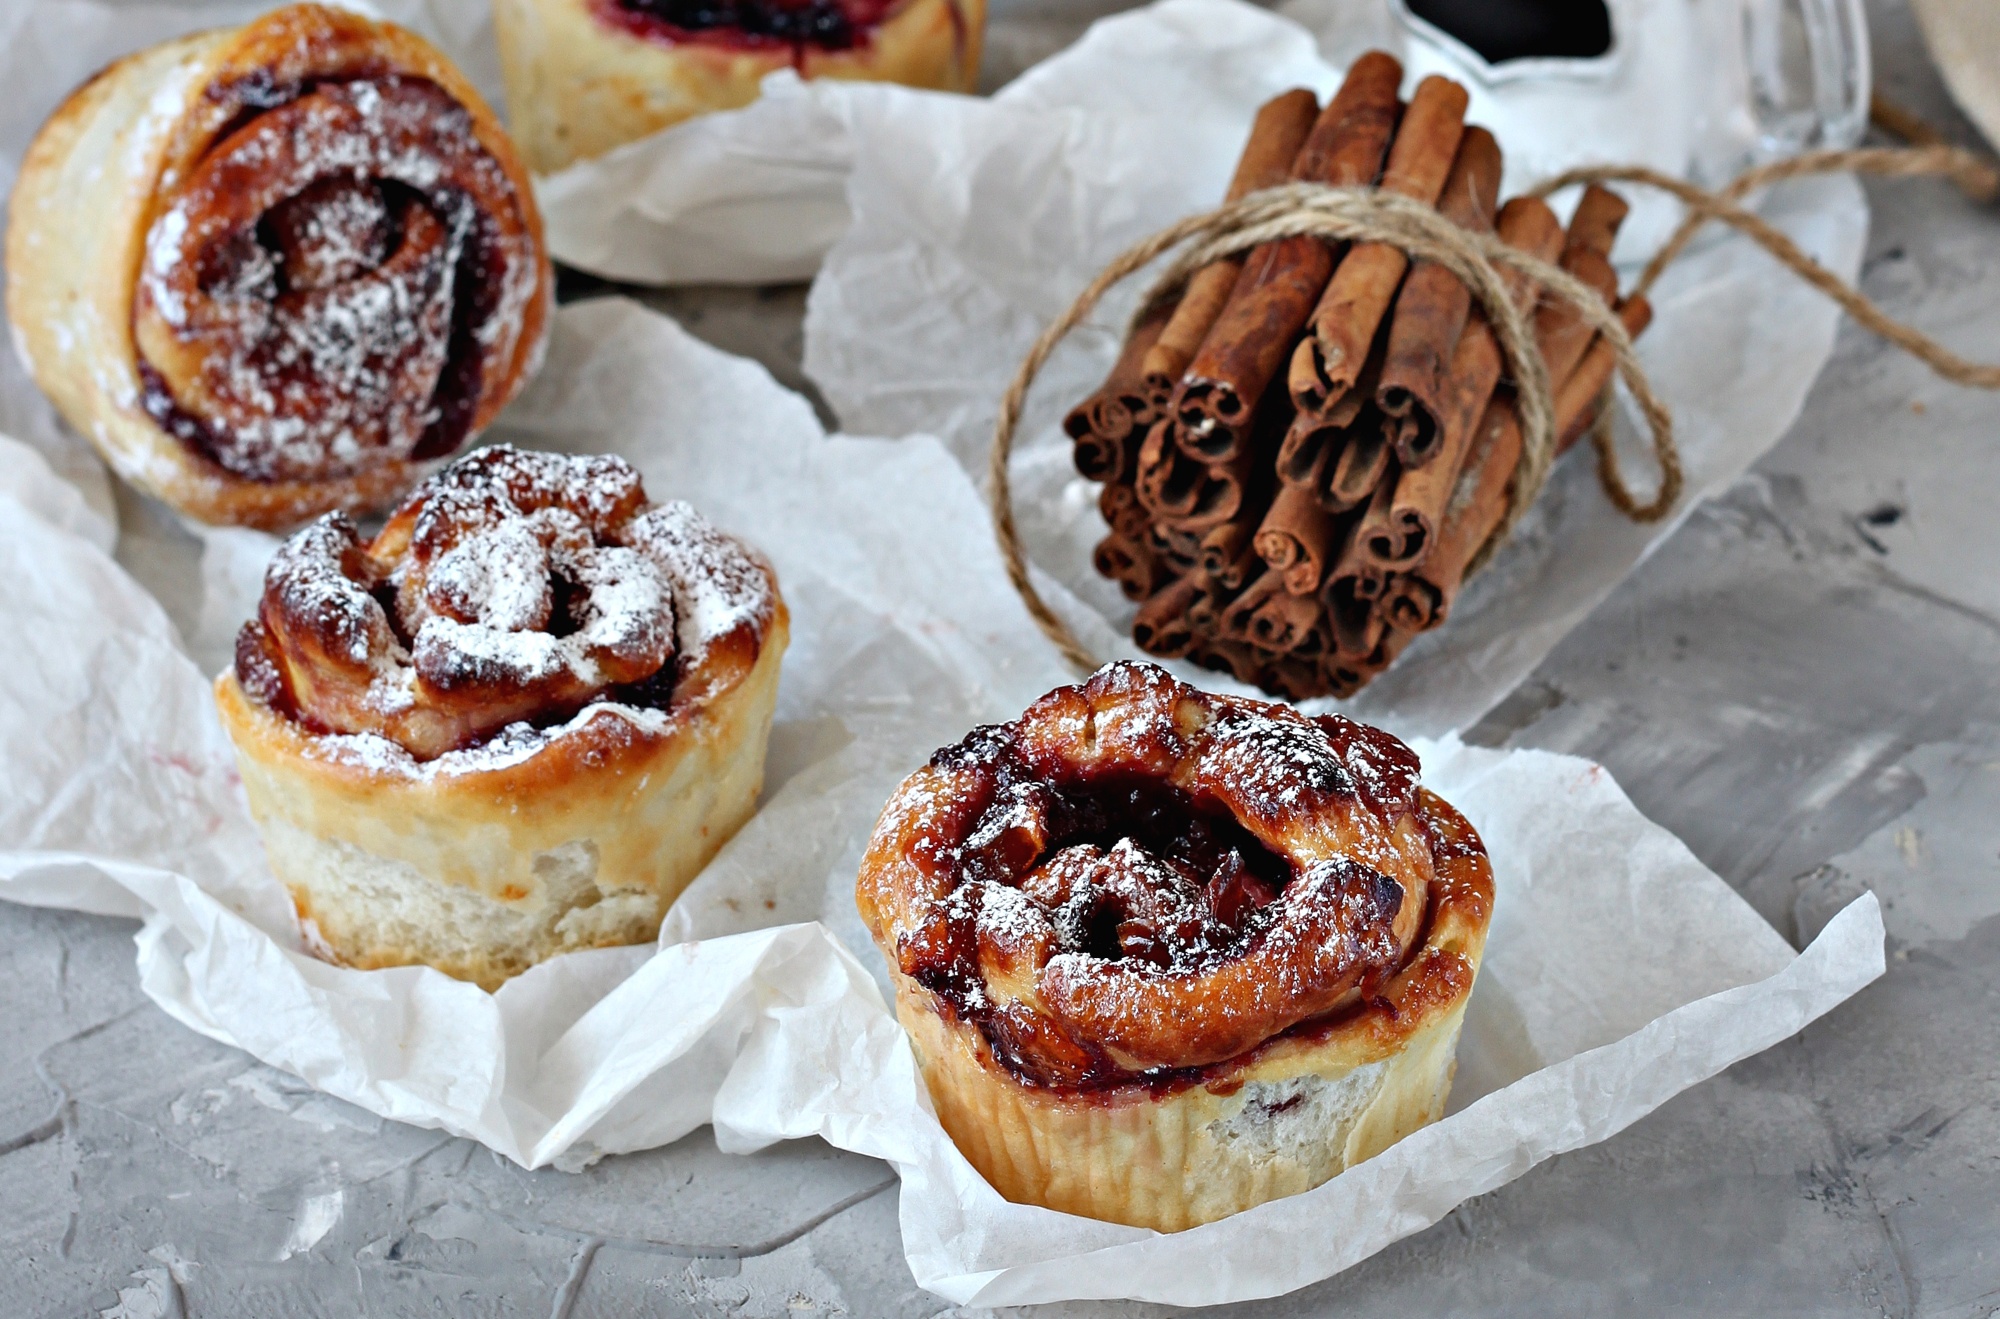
pixel 1477 259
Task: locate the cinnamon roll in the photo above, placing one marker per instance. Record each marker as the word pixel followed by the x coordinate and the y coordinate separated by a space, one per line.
pixel 584 76
pixel 1164 955
pixel 277 269
pixel 514 723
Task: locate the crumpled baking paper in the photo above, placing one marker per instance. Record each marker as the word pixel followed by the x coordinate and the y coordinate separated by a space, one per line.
pixel 976 223
pixel 1620 970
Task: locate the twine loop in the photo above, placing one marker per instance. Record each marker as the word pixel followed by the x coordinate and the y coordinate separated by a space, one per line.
pixel 1478 260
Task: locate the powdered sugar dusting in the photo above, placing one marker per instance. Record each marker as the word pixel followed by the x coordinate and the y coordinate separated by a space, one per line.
pixel 718 587
pixel 1137 878
pixel 513 745
pixel 509 592
pixel 298 298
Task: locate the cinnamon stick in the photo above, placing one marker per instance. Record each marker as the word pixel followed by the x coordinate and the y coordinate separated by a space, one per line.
pixel 1282 622
pixel 1169 542
pixel 1168 481
pixel 1236 619
pixel 1431 311
pixel 1138 572
pixel 1162 627
pixel 1295 678
pixel 1361 554
pixel 1480 502
pixel 1212 597
pixel 1238 488
pixel 1223 546
pixel 1594 224
pixel 1299 537
pixel 1327 365
pixel 1122 511
pixel 1276 135
pixel 1479 494
pixel 1577 400
pixel 1346 674
pixel 1418 507
pixel 1313 443
pixel 1281 280
pixel 1563 335
pixel 1240 660
pixel 1107 425
pixel 1355 624
pixel 1362 466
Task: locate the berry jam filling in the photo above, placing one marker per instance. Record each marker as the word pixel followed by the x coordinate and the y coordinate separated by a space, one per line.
pixel 825 24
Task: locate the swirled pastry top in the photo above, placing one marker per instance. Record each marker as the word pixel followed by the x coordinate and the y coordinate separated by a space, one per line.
pixel 344 265
pixel 1137 878
pixel 509 593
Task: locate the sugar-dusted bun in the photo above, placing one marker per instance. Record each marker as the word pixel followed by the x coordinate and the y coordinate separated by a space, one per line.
pixel 278 269
pixel 1164 955
pixel 517 722
pixel 584 76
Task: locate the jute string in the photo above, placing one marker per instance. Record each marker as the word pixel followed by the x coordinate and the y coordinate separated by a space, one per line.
pixel 1370 215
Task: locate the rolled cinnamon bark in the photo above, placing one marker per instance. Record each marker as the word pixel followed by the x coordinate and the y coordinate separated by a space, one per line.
pixel 1312 445
pixel 1345 675
pixel 1168 481
pixel 1236 618
pixel 1294 679
pixel 1122 511
pixel 1162 627
pixel 1479 503
pixel 1283 623
pixel 1108 426
pixel 1577 400
pixel 1299 537
pixel 1276 135
pixel 1137 570
pixel 1213 597
pixel 1479 493
pixel 1327 365
pixel 1241 660
pixel 1431 311
pixel 1594 224
pixel 1224 546
pixel 1177 547
pixel 1562 334
pixel 1281 280
pixel 1374 529
pixel 1362 465
pixel 1418 508
pixel 1232 570
pixel 1354 622
pixel 1239 487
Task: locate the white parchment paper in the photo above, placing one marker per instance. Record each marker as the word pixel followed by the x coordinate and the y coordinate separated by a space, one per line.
pixel 1620 970
pixel 976 223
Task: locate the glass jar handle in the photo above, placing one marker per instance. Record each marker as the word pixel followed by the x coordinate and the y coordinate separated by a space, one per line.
pixel 1808 62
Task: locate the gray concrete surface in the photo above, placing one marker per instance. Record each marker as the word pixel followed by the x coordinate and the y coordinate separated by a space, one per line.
pixel 1802 684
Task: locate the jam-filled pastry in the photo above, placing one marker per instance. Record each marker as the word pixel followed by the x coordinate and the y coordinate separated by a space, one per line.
pixel 517 722
pixel 279 269
pixel 1164 955
pixel 584 76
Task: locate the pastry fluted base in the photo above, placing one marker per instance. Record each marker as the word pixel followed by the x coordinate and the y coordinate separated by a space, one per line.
pixel 1282 1119
pixel 482 873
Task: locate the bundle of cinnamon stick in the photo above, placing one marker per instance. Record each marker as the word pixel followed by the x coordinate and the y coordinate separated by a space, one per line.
pixel 1303 454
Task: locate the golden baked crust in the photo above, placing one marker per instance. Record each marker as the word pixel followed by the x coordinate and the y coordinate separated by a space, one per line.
pixel 1185 1092
pixel 580 81
pixel 116 157
pixel 555 831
